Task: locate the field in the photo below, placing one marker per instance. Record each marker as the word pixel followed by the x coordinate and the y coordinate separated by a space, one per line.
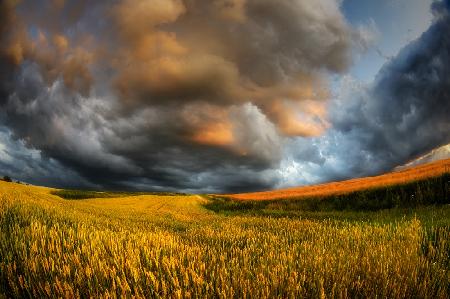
pixel 179 246
pixel 336 188
pixel 433 190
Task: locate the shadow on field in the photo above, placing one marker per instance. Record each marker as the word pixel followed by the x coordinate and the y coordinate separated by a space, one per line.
pixel 433 191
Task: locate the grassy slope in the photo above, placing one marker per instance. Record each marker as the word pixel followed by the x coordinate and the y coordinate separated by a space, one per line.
pixel 425 192
pixel 153 246
pixel 336 188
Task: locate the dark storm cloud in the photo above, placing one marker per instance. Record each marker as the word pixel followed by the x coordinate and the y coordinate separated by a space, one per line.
pixel 168 94
pixel 404 114
pixel 25 165
pixel 407 111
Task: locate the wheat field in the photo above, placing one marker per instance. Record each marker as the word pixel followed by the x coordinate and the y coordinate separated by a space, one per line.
pixel 172 247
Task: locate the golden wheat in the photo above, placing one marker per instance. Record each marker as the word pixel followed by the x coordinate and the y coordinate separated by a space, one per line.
pixel 171 247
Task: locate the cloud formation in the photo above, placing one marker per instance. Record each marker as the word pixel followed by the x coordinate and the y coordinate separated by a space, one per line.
pixel 210 95
pixel 403 114
pixel 163 92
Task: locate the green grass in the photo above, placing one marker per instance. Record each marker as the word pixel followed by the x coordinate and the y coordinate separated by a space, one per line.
pixel 431 191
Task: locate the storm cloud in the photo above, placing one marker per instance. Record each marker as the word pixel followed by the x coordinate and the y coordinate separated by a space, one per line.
pixel 403 114
pixel 406 112
pixel 211 95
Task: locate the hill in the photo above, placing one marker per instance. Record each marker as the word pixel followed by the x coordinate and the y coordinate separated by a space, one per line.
pixel 437 154
pixel 336 188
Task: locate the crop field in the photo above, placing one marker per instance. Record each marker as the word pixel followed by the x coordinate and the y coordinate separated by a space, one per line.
pixel 155 246
pixel 336 188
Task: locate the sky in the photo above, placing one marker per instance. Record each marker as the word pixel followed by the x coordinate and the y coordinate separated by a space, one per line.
pixel 219 96
pixel 395 23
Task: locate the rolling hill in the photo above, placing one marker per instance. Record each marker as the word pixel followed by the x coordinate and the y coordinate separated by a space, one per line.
pixel 397 177
pixel 437 154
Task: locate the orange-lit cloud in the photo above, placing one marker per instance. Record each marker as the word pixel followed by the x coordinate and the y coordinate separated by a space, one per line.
pixel 209 125
pixel 300 119
pixel 215 134
pixel 61 43
pixel 169 53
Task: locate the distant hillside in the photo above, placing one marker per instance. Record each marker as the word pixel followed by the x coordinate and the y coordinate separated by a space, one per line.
pixel 335 188
pixel 437 154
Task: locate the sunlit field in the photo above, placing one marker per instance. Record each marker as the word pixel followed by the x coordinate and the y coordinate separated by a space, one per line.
pixel 174 247
pixel 335 188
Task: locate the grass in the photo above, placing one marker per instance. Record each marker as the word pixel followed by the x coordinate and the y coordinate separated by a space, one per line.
pixel 430 191
pixel 152 246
